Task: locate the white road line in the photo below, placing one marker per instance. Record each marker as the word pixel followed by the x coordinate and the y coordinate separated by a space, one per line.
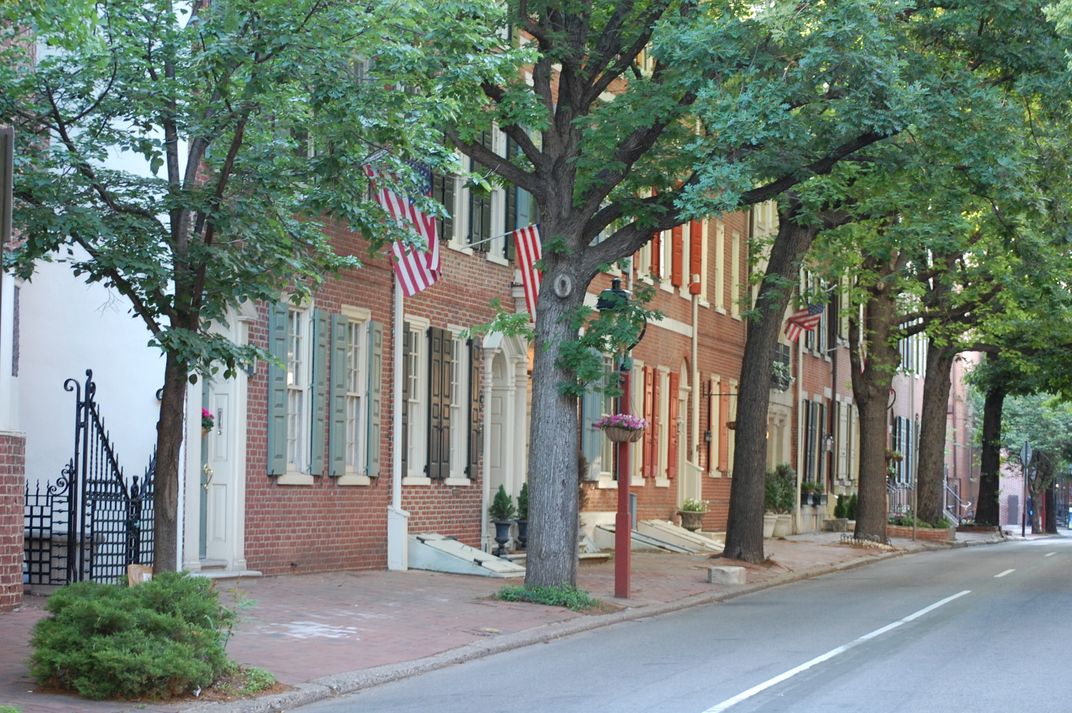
pixel 1050 554
pixel 730 702
pixel 999 575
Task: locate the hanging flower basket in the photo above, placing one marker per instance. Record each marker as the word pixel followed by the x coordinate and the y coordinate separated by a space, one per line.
pixel 618 434
pixel 622 428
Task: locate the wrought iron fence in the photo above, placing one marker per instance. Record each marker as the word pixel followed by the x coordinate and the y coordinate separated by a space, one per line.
pixel 90 523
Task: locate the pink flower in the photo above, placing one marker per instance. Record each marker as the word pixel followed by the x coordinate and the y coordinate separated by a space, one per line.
pixel 622 420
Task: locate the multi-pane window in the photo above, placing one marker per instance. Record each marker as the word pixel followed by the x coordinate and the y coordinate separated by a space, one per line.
pixel 414 401
pixel 356 396
pixel 298 379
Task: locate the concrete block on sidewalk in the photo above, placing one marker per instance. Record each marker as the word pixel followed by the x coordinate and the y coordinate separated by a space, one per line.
pixel 726 575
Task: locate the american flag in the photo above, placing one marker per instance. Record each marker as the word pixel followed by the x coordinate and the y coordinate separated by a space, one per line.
pixel 414 269
pixel 803 320
pixel 528 252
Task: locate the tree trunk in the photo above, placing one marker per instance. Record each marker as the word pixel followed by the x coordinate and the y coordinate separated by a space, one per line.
pixel 987 509
pixel 871 389
pixel 930 469
pixel 1050 525
pixel 744 530
pixel 553 442
pixel 872 506
pixel 166 481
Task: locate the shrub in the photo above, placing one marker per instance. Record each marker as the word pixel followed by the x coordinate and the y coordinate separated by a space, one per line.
pixel 523 502
pixel 693 505
pixel 850 511
pixel 779 489
pixel 155 640
pixel 564 595
pixel 841 507
pixel 502 507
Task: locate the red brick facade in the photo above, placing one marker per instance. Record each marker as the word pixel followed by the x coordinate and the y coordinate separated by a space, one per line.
pixel 327 526
pixel 12 499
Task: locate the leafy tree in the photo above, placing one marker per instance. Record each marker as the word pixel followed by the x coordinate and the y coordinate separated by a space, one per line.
pixel 715 106
pixel 253 118
pixel 932 235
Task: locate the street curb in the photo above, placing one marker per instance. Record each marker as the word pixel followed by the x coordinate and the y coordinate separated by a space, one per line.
pixel 353 682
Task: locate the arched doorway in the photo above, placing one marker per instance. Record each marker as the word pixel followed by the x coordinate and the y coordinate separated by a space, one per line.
pixel 506 419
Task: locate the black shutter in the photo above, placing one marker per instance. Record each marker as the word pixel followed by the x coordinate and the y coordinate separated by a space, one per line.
pixel 438 403
pixel 476 410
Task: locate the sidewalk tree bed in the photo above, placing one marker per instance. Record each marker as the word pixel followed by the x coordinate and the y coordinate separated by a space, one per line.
pixel 566 596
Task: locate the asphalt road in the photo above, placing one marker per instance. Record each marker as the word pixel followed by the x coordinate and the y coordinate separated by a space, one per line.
pixel 976 629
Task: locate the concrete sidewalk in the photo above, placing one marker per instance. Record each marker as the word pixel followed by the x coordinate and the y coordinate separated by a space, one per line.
pixel 323 634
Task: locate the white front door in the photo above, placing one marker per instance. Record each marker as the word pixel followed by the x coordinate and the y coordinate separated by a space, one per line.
pixel 219 473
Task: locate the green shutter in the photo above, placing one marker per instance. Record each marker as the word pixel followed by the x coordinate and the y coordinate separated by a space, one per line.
pixel 337 429
pixel 591 411
pixel 407 349
pixel 277 389
pixel 319 390
pixel 375 397
pixel 476 410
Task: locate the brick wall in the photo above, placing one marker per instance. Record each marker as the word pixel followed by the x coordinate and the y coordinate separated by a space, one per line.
pixel 12 495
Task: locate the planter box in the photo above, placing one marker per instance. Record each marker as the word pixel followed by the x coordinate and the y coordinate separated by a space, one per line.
pixel 978 528
pixel 836 524
pixel 945 534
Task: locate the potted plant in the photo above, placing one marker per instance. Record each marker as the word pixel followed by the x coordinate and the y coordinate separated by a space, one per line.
pixel 850 508
pixel 692 512
pixel 501 511
pixel 781 375
pixel 620 427
pixel 779 488
pixel 840 523
pixel 207 421
pixel 810 493
pixel 523 516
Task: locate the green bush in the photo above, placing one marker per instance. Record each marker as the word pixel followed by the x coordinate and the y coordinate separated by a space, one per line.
pixel 502 507
pixel 779 489
pixel 841 507
pixel 155 640
pixel 523 502
pixel 850 511
pixel 558 596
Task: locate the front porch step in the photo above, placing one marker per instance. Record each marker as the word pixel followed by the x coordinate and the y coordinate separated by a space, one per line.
pixel 604 539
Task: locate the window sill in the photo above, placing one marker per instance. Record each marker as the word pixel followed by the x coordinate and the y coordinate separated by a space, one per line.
pixel 720 309
pixel 704 303
pixel 498 260
pixel 415 480
pixel 637 481
pixel 716 473
pixel 606 482
pixel 457 482
pixel 662 482
pixel 460 247
pixel 353 479
pixel 294 478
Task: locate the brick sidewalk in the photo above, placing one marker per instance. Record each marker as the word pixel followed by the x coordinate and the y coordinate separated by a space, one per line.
pixel 346 630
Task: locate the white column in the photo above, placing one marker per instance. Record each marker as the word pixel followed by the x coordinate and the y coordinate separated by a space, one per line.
pixel 397 518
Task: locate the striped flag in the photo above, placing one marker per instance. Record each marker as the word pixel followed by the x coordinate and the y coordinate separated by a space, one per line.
pixel 803 320
pixel 528 252
pixel 415 270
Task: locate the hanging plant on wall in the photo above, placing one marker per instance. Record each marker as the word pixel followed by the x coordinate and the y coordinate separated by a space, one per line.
pixel 781 376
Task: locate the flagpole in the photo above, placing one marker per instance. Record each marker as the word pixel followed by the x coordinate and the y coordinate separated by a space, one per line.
pixel 397 518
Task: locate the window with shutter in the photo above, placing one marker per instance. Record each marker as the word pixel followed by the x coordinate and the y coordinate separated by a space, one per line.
pixel 659 436
pixel 655 266
pixel 292 411
pixel 696 257
pixel 591 437
pixel 375 399
pixel 318 392
pixel 458 400
pixel 352 366
pixel 443 189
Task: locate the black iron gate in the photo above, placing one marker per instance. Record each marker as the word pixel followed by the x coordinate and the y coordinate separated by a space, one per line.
pixel 90 523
